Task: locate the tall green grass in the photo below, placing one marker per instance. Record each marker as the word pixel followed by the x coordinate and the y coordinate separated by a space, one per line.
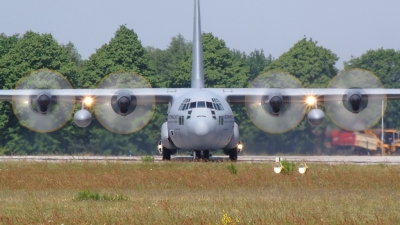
pixel 89 195
pixel 196 193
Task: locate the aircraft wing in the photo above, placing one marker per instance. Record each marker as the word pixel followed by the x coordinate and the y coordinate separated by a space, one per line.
pixel 243 95
pixel 161 95
pixel 119 110
pixel 277 110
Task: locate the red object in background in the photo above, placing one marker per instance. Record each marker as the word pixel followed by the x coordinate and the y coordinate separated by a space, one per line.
pixel 343 138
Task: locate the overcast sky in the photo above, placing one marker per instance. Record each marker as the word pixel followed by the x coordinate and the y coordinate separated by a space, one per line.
pixel 348 28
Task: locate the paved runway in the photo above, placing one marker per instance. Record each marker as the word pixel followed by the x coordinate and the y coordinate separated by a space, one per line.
pixel 256 159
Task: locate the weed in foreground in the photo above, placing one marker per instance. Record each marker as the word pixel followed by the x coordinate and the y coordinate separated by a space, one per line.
pixel 232 168
pixel 288 167
pixel 88 195
pixel 227 220
pixel 147 158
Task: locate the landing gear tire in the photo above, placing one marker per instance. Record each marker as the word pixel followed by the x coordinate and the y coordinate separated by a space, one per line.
pixel 197 155
pixel 166 154
pixel 206 155
pixel 233 154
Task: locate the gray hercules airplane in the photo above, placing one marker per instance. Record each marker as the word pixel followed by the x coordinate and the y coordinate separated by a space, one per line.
pixel 198 119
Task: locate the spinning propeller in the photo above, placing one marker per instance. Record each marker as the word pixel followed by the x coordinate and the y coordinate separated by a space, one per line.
pixel 354 109
pixel 39 110
pixel 122 111
pixel 274 111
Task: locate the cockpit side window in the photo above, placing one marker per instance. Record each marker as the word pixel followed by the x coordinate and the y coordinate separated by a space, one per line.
pixel 209 105
pixel 217 104
pixel 192 105
pixel 184 105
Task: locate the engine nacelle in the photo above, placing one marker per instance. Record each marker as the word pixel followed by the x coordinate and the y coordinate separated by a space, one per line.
pixel 316 117
pixel 275 104
pixel 234 139
pixel 123 102
pixel 82 118
pixel 355 100
pixel 165 139
pixel 41 103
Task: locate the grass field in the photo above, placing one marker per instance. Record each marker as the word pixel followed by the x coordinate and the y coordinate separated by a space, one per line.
pixel 197 193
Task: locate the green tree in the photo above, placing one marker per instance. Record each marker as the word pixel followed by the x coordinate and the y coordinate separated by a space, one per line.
pixel 385 64
pixel 166 60
pixel 7 43
pixel 31 52
pixel 124 52
pixel 313 65
pixel 257 62
pixel 221 67
pixel 74 54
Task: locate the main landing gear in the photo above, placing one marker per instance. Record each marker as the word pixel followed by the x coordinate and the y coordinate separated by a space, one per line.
pixel 233 152
pixel 198 155
pixel 166 152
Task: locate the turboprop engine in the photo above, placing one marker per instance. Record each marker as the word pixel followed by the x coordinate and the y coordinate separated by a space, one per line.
pixel 41 103
pixel 123 102
pixel 275 104
pixel 352 107
pixel 355 101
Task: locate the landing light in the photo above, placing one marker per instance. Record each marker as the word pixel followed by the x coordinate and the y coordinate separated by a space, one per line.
pixel 311 100
pixel 278 167
pixel 240 146
pixel 88 101
pixel 303 168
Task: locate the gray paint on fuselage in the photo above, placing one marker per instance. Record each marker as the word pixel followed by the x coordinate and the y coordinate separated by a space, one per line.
pixel 201 131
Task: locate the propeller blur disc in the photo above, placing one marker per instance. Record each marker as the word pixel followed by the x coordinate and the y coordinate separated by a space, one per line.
pixel 132 121
pixel 26 107
pixel 342 117
pixel 275 82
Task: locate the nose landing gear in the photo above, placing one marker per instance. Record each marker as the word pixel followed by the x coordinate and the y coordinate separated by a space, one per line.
pixel 201 155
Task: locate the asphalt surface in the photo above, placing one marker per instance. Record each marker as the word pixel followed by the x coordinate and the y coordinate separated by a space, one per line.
pixel 255 159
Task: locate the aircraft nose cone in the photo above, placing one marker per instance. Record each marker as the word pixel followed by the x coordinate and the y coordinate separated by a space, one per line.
pixel 201 129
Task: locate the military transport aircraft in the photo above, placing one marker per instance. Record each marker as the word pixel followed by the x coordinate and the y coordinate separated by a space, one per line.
pixel 198 118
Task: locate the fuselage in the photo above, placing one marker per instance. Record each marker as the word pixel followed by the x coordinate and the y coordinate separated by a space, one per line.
pixel 200 120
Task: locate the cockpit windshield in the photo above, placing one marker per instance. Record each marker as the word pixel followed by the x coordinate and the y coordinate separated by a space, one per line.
pixel 201 104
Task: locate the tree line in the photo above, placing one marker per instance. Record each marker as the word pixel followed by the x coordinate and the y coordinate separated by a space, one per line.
pixel 312 64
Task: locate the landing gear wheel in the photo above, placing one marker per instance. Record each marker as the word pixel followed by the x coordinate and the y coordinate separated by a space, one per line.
pixel 206 155
pixel 196 154
pixel 233 153
pixel 166 154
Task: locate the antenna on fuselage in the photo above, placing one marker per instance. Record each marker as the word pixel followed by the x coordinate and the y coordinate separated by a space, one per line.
pixel 197 52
